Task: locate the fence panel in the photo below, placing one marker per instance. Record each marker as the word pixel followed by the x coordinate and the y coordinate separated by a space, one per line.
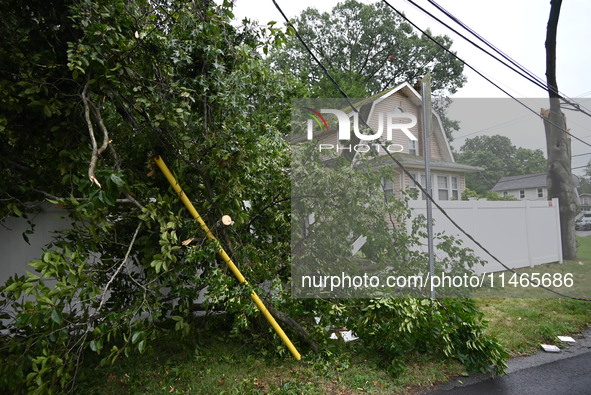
pixel 521 234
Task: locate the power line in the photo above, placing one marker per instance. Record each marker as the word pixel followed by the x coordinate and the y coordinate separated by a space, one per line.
pixel 398 163
pixel 519 70
pixel 529 75
pixel 480 74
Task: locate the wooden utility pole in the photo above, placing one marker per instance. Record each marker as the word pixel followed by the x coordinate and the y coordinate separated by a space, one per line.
pixel 558 144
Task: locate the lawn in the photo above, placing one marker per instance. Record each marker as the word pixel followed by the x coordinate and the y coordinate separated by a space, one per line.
pixel 215 362
pixel 520 324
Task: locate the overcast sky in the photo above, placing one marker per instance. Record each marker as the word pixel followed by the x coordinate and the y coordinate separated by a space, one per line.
pixel 518 28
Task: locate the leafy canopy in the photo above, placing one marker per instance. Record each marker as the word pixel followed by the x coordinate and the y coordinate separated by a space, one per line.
pixel 499 158
pixel 367 48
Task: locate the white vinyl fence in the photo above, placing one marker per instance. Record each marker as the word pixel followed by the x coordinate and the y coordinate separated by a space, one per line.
pixel 520 234
pixel 15 252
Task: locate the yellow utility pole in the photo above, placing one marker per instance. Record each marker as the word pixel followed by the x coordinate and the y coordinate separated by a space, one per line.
pixel 177 188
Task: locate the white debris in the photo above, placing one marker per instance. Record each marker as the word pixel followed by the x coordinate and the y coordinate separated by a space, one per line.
pixel 550 348
pixel 348 336
pixel 566 339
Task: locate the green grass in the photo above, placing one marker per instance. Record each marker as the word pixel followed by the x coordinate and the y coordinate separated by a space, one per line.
pixel 578 285
pixel 226 366
pixel 521 324
pixel 219 364
pixel 584 248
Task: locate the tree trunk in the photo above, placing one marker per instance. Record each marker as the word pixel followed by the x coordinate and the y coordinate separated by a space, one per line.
pixel 558 144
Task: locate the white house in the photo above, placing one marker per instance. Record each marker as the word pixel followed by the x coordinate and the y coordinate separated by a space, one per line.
pixel 525 187
pixel 585 201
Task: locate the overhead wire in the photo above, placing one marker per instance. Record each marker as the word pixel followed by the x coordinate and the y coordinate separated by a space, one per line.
pixel 398 163
pixel 521 70
pixel 401 14
pixel 517 69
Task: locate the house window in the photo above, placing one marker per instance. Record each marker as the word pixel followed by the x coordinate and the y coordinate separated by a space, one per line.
pixel 585 201
pixel 540 193
pixel 423 180
pixel 412 147
pixel 505 193
pixel 388 188
pixel 443 187
pixel 448 188
pixel 455 189
pixel 413 186
pixel 522 194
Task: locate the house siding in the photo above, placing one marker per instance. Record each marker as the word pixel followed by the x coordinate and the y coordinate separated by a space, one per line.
pixel 435 144
pixel 400 100
pixel 396 100
pixel 530 194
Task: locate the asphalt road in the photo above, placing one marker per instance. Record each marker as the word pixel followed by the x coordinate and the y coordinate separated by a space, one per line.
pixel 570 376
pixel 543 373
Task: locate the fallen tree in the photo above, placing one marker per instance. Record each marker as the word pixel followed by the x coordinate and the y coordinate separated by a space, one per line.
pixel 91 89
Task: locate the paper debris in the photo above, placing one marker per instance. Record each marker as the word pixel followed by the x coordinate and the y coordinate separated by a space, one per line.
pixel 550 348
pixel 348 336
pixel 566 339
pixel 343 333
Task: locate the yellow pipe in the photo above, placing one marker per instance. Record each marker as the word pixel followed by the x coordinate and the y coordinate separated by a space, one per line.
pixel 177 188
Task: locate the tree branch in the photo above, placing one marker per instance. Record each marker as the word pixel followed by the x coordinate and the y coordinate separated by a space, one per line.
pixel 94 155
pixel 123 262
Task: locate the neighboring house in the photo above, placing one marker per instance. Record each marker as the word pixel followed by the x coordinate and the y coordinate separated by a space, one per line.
pixel 585 201
pixel 448 178
pixel 526 186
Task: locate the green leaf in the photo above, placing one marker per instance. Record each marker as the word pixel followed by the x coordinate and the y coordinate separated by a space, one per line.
pixel 135 336
pixel 96 345
pixel 56 317
pixel 141 346
pixel 117 180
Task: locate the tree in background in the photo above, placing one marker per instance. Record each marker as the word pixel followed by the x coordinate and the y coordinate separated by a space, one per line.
pixel 367 48
pixel 585 180
pixel 499 158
